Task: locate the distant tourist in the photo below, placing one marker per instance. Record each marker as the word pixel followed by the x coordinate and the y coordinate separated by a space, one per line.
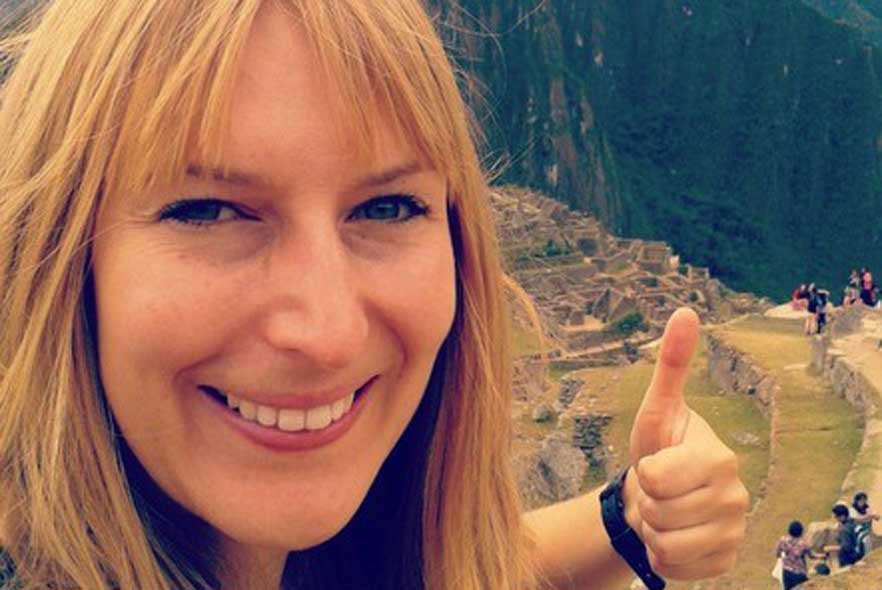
pixel 864 517
pixel 868 290
pixel 853 290
pixel 799 300
pixel 821 312
pixel 854 280
pixel 850 296
pixel 848 547
pixel 793 550
pixel 812 309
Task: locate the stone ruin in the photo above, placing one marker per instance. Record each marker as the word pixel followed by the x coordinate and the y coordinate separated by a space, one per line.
pixel 599 298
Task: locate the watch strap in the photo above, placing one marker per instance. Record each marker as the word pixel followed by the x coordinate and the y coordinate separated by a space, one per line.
pixel 622 537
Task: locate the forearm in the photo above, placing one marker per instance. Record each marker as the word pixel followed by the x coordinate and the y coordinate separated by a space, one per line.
pixel 573 549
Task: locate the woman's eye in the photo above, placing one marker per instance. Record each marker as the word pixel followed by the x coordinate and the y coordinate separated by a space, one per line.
pixel 392 208
pixel 200 212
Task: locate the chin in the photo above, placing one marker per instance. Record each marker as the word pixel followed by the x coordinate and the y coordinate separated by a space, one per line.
pixel 287 527
pixel 286 539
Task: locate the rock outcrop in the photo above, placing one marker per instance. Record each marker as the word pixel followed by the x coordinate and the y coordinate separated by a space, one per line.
pixel 553 472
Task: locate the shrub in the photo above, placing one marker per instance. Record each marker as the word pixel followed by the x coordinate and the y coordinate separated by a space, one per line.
pixel 551 249
pixel 633 322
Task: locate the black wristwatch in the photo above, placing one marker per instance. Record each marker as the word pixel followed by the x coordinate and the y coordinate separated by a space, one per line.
pixel 622 537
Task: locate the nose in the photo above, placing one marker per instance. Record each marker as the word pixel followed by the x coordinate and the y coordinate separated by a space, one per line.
pixel 316 303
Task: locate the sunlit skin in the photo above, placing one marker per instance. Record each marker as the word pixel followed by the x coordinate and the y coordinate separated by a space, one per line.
pixel 305 278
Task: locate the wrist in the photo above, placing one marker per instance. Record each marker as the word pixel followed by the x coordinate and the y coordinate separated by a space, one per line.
pixel 630 496
pixel 621 518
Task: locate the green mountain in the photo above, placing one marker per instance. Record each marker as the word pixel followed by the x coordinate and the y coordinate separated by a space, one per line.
pixel 745 133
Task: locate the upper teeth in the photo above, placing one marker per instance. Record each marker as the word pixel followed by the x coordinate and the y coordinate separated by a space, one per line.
pixel 290 419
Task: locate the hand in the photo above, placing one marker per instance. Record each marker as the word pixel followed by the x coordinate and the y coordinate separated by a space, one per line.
pixel 683 496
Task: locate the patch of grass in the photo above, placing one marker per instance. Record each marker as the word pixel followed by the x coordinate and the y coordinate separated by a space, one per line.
pixel 533 429
pixel 555 374
pixel 618 267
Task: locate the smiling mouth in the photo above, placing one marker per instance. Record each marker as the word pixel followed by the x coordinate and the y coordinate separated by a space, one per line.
pixel 286 419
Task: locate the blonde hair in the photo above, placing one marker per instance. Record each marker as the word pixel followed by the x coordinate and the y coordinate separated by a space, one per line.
pixel 111 97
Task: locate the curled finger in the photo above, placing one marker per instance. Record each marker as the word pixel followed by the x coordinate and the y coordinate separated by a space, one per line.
pixel 700 506
pixel 682 547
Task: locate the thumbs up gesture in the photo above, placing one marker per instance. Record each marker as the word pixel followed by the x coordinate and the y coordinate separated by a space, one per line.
pixel 683 496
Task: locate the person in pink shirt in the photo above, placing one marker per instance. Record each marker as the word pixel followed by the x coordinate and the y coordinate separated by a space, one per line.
pixel 793 550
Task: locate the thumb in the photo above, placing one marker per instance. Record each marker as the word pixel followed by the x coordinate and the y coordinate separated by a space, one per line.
pixel 663 416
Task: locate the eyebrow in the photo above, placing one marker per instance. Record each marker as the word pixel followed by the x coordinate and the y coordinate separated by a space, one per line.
pixel 238 178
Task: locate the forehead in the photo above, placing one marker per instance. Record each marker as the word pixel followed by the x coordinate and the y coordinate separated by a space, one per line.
pixel 285 121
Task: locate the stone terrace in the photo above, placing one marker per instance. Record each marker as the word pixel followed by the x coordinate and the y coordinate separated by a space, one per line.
pixel 584 280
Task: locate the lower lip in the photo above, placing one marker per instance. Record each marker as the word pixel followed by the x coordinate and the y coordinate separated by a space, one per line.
pixel 279 440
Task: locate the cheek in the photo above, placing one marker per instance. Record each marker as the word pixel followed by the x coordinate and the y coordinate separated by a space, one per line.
pixel 419 292
pixel 154 319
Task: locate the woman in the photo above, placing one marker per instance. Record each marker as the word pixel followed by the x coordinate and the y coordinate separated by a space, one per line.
pixel 255 332
pixel 867 294
pixel 793 550
pixel 799 298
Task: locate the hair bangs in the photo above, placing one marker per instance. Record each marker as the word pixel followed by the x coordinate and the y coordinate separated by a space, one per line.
pixel 386 66
pixel 179 95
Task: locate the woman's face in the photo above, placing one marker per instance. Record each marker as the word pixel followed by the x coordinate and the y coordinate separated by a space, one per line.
pixel 291 284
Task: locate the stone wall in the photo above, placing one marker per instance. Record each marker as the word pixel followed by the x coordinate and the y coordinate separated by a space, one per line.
pixel 736 372
pixel 845 376
pixel 588 436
